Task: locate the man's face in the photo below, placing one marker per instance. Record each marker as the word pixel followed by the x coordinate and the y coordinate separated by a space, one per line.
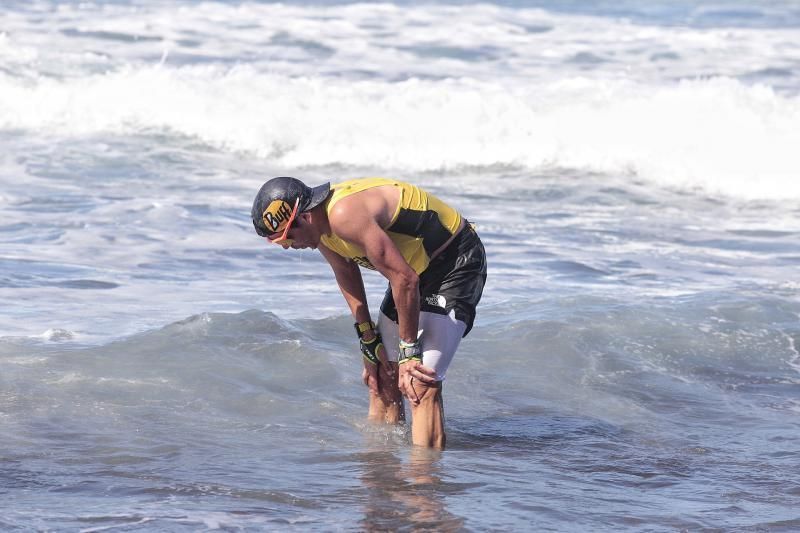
pixel 302 234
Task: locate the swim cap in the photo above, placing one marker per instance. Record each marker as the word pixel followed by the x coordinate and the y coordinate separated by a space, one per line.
pixel 276 200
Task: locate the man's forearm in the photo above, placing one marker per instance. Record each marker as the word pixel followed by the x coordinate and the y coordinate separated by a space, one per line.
pixel 352 286
pixel 405 291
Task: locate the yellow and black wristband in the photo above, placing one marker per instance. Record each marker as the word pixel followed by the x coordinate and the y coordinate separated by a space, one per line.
pixel 369 349
pixel 363 327
pixel 409 351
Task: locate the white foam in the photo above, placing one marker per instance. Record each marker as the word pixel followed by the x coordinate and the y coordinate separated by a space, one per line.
pixel 478 40
pixel 11 52
pixel 717 134
pixel 58 335
pixel 417 88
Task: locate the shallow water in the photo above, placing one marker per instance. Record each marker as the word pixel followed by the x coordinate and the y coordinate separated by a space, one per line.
pixel 631 170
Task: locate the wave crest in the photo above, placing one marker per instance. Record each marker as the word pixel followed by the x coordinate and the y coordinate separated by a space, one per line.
pixel 717 134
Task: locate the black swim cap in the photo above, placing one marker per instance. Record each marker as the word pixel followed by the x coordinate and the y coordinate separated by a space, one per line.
pixel 278 196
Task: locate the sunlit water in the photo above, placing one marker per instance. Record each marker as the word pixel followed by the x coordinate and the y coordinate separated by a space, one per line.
pixel 631 168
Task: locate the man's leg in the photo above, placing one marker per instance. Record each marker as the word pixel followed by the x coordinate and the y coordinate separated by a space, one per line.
pixel 427 417
pixel 387 405
pixel 439 339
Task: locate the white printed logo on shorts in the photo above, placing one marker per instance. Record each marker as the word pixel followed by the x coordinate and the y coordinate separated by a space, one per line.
pixel 437 300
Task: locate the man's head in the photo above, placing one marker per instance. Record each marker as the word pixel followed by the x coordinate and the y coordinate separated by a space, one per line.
pixel 278 204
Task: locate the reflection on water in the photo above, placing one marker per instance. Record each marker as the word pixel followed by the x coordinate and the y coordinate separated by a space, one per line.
pixel 405 491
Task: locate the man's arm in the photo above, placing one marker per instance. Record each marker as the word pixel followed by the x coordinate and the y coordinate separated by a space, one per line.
pixel 348 277
pixel 387 259
pixel 361 227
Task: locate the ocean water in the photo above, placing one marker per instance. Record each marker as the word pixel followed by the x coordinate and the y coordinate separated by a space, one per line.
pixel 632 168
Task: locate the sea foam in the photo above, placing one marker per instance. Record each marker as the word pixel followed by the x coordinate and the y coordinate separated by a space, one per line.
pixel 716 134
pixel 416 88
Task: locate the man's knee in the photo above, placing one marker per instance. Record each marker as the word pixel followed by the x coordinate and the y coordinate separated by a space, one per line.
pixel 425 390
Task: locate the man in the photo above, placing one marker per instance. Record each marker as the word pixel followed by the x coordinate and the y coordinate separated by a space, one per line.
pixel 435 264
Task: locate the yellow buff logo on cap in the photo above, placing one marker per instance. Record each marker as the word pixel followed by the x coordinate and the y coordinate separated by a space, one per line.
pixel 276 215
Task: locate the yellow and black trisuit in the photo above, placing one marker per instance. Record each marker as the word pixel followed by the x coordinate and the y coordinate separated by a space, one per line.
pixel 451 282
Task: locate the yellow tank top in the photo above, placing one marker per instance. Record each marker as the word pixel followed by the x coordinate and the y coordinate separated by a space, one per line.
pixel 421 223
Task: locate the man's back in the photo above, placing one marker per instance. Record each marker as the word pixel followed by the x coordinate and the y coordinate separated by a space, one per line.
pixel 417 222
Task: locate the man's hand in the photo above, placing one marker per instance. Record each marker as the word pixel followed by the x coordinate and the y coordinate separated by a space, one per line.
pixel 412 373
pixel 377 369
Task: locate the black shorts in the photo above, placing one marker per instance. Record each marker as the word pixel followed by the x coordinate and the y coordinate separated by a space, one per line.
pixel 453 281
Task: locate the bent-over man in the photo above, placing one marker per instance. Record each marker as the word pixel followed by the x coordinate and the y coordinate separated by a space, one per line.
pixel 435 264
